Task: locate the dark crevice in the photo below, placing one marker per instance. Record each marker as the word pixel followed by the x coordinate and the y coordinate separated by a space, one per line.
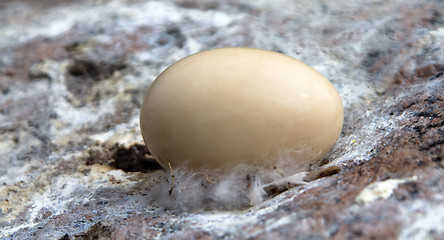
pixel 96 70
pixel 65 237
pixel 136 158
pixel 97 231
pixel 427 113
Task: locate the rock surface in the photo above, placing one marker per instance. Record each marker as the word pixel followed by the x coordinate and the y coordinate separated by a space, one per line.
pixel 72 78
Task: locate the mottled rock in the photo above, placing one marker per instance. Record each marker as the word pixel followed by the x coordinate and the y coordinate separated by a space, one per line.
pixel 73 75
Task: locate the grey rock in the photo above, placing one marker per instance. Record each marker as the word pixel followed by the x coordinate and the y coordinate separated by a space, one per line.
pixel 73 75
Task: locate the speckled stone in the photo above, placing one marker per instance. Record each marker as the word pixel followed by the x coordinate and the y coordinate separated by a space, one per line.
pixel 73 75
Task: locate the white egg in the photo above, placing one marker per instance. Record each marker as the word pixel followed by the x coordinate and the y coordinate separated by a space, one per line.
pixel 223 107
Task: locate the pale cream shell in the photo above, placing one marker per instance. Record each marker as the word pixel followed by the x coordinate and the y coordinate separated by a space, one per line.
pixel 222 107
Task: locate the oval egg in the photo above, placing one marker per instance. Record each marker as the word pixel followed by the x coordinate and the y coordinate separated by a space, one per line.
pixel 223 107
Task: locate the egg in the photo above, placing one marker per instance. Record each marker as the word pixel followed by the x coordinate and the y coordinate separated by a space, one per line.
pixel 221 108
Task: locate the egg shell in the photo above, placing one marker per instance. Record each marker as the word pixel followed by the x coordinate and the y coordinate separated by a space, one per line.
pixel 223 107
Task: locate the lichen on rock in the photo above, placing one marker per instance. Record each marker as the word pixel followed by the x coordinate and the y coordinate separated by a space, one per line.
pixel 72 80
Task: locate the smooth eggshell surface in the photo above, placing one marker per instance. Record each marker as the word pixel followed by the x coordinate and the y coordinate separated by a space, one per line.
pixel 219 108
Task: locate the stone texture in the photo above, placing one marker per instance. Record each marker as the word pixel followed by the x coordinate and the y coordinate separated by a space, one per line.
pixel 73 75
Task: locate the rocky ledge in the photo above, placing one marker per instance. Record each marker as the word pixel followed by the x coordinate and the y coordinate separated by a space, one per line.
pixel 73 75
